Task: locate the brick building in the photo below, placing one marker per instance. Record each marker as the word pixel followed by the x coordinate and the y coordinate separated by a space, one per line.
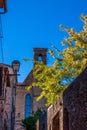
pixel 68 112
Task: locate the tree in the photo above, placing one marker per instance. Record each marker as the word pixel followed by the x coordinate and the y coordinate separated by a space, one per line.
pixel 29 123
pixel 68 64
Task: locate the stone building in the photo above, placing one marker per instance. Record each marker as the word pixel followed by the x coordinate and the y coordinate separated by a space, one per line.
pixel 26 100
pixel 7 97
pixel 69 112
pixel 16 102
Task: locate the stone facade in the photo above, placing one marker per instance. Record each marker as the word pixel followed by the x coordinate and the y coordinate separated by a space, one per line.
pixel 21 92
pixel 69 112
pixel 7 97
pixel 55 115
pixel 13 94
pixel 75 104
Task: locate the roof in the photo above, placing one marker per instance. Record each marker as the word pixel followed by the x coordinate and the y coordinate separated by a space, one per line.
pixel 29 79
pixel 5 65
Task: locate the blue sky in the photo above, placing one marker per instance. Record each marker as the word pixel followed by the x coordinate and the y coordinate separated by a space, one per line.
pixel 30 24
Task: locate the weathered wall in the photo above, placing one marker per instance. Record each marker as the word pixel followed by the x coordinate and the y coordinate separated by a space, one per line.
pixel 55 115
pixel 6 98
pixel 69 112
pixel 34 92
pixel 75 104
pixel 21 92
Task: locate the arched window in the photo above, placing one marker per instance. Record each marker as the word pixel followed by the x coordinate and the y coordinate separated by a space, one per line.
pixel 27 105
pixel 40 58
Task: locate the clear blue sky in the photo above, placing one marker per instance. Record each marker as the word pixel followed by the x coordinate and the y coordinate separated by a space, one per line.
pixel 35 23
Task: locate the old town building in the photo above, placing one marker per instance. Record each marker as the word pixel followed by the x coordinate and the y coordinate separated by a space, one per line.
pixel 26 100
pixel 16 102
pixel 7 97
pixel 68 112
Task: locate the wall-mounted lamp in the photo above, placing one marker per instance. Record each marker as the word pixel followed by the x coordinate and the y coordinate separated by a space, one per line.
pixel 16 65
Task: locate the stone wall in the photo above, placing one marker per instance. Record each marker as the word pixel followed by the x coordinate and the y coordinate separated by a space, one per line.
pixel 69 112
pixel 55 115
pixel 7 97
pixel 34 92
pixel 75 104
pixel 21 92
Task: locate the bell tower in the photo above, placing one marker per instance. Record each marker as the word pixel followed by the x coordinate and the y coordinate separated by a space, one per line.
pixel 40 54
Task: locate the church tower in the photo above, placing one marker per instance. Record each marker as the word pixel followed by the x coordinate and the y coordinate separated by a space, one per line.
pixel 40 54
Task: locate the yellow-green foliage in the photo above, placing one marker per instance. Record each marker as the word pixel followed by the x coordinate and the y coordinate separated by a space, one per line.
pixel 68 64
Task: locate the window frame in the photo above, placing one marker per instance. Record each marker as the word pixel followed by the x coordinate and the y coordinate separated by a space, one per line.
pixel 27 105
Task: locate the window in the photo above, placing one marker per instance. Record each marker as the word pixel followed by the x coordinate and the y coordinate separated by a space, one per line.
pixel 40 58
pixel 27 105
pixel 8 81
pixel 7 78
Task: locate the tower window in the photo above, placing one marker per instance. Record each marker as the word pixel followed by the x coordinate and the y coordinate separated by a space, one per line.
pixel 40 58
pixel 27 105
